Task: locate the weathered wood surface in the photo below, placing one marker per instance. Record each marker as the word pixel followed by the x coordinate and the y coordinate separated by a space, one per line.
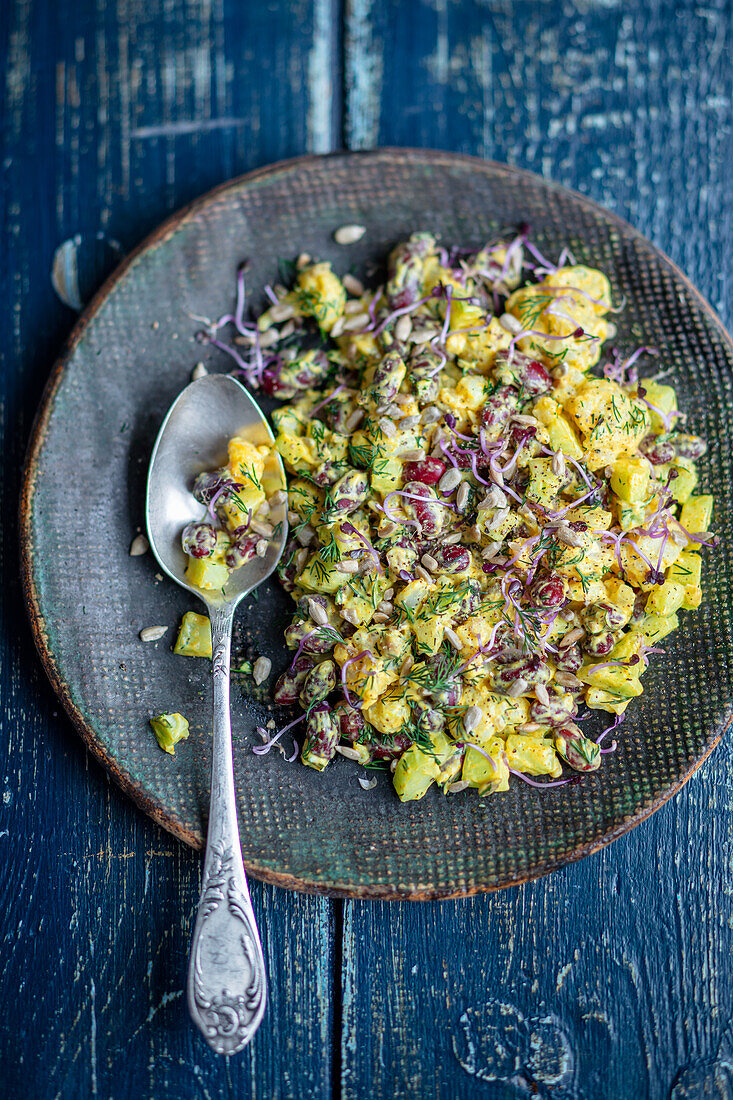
pixel 609 980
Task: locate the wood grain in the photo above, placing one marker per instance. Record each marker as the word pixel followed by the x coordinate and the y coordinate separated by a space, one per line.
pixel 113 114
pixel 611 979
pixel 608 980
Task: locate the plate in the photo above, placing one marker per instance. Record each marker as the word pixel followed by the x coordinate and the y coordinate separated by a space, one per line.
pixel 128 357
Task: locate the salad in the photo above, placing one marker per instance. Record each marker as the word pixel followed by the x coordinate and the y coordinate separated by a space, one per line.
pixel 494 521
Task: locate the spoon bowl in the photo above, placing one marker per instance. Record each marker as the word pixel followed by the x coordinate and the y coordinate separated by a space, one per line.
pixel 226 976
pixel 193 437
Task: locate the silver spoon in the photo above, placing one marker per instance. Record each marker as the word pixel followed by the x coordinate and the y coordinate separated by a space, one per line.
pixel 226 974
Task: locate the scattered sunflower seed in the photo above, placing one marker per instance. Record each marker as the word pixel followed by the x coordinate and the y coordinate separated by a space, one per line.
pixel 450 479
pixel 517 688
pixel 541 695
pixel 453 638
pixel 568 537
pixel 349 234
pixel 430 416
pixel 451 540
pixel 403 328
pixel 350 754
pixel 138 546
pixel 348 565
pixel 153 633
pixel 261 670
pixel 429 562
pixel 571 637
pixel 261 548
pixel 354 420
pixel 423 574
pixel 303 260
pixel 380 617
pixel 355 323
pixel 198 372
pixel 558 464
pixel 414 455
pixel 567 679
pixel 353 285
pixel 456 788
pixel 510 323
pixel 462 495
pixel 388 427
pixel 283 311
pixel 317 613
pixel 367 784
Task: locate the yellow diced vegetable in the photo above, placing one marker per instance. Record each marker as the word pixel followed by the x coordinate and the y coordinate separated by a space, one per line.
pixel 194 636
pixel 169 729
pixel 207 574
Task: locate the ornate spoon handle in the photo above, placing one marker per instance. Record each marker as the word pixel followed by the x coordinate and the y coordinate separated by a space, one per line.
pixel 226 974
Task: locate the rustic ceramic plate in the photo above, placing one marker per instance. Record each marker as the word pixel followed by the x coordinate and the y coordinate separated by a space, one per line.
pixel 83 501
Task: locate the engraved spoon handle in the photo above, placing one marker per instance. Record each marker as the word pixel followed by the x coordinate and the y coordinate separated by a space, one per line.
pixel 226 972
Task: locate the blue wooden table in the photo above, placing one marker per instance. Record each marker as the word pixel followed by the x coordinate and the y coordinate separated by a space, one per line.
pixel 610 980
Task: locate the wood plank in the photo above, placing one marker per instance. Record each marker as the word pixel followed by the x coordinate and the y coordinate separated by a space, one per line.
pixel 113 115
pixel 610 979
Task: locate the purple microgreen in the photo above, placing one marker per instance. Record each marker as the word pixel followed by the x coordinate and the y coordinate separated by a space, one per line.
pixel 358 705
pixel 271 294
pixel 262 750
pixel 326 400
pixel 614 725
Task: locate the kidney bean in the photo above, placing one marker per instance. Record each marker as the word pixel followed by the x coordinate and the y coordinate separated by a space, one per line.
pixel 426 470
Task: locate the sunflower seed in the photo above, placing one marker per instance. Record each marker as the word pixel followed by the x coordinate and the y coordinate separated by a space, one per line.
pixel 423 574
pixel 337 328
pixel 495 497
pixel 462 496
pixel 350 615
pixel 416 454
pixel 261 548
pixel 388 427
pixel 430 416
pixel 568 537
pixel 452 637
pixel 558 464
pixel 353 307
pixel 350 754
pixel 451 540
pixel 268 337
pixel 456 788
pixel 380 617
pixel 403 328
pixel 261 670
pixel 471 718
pixel 303 260
pixel 260 528
pixel 409 422
pixel 348 565
pixel 300 559
pixel 517 688
pixel 527 421
pixel 571 637
pixel 450 479
pixel 385 607
pixel 510 323
pixel 283 311
pixel 429 562
pixel 566 679
pixel 496 475
pixel 353 285
pixel 407 664
pixel 541 695
pixel 355 323
pixel 153 633
pixel 349 234
pixel 138 546
pixel 317 613
pixel 529 727
pixel 491 551
pixel 198 372
pixel 422 335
